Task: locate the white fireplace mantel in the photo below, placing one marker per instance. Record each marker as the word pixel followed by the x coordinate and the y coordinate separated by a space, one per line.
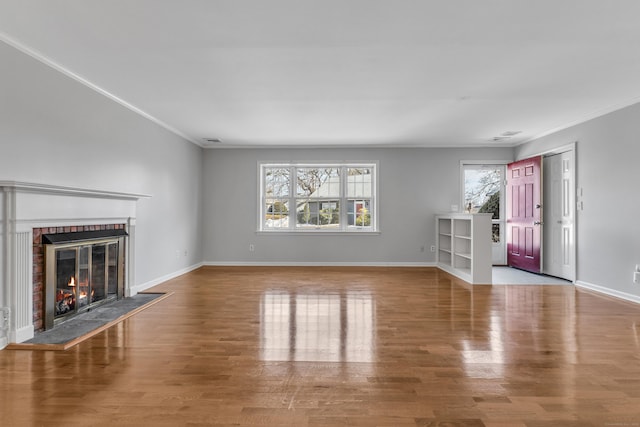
pixel 25 206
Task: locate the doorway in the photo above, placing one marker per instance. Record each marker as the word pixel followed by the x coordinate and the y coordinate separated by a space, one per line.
pixel 559 215
pixel 554 224
pixel 483 192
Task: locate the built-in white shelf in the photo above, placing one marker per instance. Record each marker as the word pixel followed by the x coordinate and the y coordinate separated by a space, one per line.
pixel 463 246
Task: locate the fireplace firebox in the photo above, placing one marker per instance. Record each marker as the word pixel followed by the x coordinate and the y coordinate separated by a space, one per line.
pixel 82 270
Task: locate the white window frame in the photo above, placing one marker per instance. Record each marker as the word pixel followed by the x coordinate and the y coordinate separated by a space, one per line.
pixel 344 227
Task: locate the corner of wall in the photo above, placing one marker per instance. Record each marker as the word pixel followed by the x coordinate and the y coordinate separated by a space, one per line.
pixel 155 282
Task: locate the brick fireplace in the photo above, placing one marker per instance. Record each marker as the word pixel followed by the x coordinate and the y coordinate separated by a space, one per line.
pixel 30 210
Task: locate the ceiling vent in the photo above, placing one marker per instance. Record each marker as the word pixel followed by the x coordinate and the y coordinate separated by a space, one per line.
pixel 211 141
pixel 511 133
pixel 506 135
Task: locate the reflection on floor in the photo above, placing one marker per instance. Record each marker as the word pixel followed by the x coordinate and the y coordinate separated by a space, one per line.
pixel 309 326
pixel 513 276
pixel 341 346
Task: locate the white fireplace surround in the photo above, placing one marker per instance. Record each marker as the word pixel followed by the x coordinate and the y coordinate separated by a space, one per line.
pixel 25 206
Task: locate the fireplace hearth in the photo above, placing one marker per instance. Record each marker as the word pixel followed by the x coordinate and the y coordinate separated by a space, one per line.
pixel 82 270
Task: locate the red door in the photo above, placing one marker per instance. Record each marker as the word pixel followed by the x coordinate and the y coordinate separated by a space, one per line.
pixel 524 214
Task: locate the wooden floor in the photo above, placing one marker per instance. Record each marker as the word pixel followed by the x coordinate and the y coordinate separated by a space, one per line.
pixel 237 346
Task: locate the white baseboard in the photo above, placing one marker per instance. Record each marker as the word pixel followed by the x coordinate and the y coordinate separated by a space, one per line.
pixel 317 264
pixel 3 342
pixel 144 286
pixel 24 334
pixel 608 291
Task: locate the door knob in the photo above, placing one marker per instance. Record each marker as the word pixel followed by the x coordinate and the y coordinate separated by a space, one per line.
pixel 537 223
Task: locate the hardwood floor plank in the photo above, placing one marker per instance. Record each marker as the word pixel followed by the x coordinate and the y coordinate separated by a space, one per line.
pixel 316 346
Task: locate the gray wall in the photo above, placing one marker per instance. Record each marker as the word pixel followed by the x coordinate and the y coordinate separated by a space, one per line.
pixel 54 130
pixel 414 184
pixel 608 229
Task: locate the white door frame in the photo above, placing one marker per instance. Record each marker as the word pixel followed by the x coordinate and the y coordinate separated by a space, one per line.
pixel 573 253
pixel 499 252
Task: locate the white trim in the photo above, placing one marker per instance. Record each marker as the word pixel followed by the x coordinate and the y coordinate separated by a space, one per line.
pixel 316 264
pixel 485 162
pixel 32 187
pixel 38 56
pixel 463 166
pixel 144 286
pixel 532 284
pixel 556 150
pixel 608 291
pixel 130 258
pixel 287 232
pixel 5 326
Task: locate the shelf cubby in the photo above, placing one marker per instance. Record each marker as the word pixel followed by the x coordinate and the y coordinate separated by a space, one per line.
pixel 463 244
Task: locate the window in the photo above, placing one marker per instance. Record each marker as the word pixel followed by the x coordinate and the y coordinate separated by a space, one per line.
pixel 317 197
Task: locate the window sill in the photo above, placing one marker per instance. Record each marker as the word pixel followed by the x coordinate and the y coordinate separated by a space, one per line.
pixel 317 233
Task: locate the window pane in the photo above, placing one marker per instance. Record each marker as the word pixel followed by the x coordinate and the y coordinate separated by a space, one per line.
pixel 318 214
pixel 318 182
pixel 359 213
pixel 359 182
pixel 330 213
pixel 276 213
pixel 495 233
pixel 307 213
pixel 482 190
pixel 276 182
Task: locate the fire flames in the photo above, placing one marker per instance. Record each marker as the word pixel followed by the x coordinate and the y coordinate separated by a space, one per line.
pixel 83 294
pixel 66 298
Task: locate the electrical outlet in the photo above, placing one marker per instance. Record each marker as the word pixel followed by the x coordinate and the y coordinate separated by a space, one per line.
pixel 433 248
pixel 252 247
pixel 636 277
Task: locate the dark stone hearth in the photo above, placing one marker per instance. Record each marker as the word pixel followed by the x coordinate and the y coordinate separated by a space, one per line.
pixel 84 323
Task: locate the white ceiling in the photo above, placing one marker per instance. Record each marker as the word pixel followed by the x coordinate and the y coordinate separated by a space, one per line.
pixel 344 72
